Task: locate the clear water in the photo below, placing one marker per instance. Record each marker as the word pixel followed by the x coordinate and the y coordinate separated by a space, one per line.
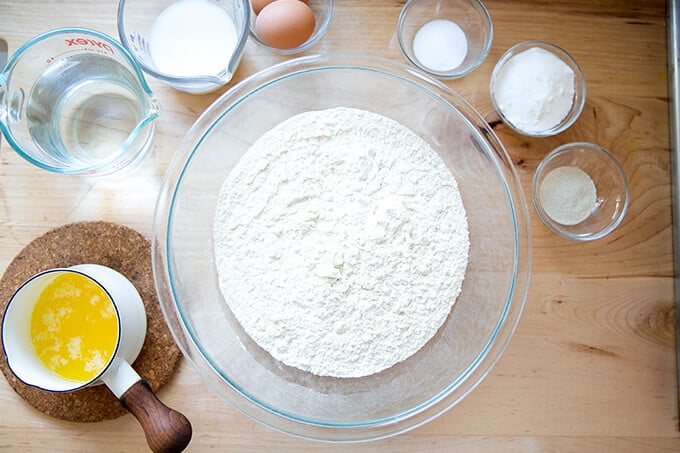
pixel 82 111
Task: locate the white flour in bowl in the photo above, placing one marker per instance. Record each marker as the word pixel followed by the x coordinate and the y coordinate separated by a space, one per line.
pixel 341 242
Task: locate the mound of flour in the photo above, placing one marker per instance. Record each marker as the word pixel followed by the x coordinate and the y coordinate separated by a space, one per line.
pixel 341 242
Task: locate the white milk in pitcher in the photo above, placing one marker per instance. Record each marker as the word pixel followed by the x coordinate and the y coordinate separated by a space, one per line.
pixel 193 38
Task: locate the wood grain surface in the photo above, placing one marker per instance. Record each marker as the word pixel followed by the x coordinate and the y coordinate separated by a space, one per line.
pixel 591 366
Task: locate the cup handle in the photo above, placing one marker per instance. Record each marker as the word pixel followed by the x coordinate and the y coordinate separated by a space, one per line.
pixel 166 430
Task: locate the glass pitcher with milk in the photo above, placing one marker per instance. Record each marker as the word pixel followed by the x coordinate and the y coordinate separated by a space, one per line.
pixel 194 46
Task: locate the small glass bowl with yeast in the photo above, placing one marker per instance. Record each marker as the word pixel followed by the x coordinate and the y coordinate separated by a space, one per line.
pixel 580 191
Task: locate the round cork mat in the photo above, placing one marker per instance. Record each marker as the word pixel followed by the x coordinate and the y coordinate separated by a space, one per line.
pixel 120 248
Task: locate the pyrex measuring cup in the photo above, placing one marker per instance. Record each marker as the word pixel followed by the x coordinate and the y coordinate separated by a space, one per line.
pixel 74 101
pixel 138 25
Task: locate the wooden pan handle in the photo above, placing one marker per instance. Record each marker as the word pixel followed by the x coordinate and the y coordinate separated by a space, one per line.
pixel 166 430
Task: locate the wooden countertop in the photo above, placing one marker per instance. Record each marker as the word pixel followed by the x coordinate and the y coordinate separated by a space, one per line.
pixel 591 366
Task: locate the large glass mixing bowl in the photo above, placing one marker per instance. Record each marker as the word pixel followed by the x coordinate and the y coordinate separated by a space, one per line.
pixel 481 322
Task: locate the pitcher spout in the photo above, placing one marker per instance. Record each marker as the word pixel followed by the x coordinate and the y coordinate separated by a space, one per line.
pixel 3 108
pixel 152 110
pixel 3 99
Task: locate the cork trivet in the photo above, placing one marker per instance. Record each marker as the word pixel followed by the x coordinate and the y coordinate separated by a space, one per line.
pixel 120 248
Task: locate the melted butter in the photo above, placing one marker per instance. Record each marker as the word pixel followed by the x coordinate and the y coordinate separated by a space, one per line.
pixel 74 327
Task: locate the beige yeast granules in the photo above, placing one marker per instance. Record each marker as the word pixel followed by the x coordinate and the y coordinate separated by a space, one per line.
pixel 568 195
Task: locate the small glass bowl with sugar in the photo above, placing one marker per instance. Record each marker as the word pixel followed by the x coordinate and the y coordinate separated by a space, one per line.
pixel 446 39
pixel 580 191
pixel 537 89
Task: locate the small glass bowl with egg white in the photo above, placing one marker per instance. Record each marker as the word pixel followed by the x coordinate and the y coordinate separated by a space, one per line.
pixel 446 39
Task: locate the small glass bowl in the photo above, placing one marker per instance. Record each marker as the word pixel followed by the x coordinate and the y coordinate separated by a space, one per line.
pixel 610 182
pixel 470 15
pixel 578 100
pixel 323 11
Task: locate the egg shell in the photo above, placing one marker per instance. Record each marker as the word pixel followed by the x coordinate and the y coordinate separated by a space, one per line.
pixel 285 24
pixel 257 5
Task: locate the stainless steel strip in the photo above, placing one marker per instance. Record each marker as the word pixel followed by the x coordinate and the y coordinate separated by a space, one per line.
pixel 674 107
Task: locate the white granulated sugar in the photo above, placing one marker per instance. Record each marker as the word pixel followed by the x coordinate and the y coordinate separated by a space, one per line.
pixel 568 195
pixel 193 38
pixel 440 45
pixel 341 242
pixel 535 90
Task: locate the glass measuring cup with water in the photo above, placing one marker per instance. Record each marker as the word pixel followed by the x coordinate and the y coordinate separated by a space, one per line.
pixel 74 101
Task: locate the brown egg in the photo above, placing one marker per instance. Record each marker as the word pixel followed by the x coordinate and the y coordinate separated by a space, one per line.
pixel 285 24
pixel 257 5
